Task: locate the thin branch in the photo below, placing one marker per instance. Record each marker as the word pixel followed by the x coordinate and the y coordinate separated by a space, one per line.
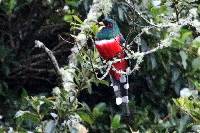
pixel 176 10
pixel 65 40
pixel 52 59
pixel 39 70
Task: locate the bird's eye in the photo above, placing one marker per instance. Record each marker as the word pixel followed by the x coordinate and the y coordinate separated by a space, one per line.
pixel 109 25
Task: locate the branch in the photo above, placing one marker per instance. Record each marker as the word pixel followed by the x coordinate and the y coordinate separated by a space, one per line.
pixel 52 59
pixel 98 7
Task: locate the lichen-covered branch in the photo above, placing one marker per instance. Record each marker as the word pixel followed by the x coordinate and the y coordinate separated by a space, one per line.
pixel 52 59
pixel 98 8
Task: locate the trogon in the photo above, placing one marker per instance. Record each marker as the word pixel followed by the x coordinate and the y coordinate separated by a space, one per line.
pixel 109 43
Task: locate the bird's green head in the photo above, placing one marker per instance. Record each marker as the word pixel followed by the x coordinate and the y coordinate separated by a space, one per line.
pixel 110 29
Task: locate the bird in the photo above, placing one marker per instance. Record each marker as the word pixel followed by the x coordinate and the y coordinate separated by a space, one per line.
pixel 109 43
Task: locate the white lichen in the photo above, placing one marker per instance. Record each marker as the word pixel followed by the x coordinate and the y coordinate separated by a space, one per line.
pixel 186 92
pixel 20 113
pixel 56 91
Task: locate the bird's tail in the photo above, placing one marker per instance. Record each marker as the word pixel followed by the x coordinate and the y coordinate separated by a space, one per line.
pixel 120 88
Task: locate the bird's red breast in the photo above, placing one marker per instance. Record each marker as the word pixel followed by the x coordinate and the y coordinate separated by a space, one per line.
pixel 108 49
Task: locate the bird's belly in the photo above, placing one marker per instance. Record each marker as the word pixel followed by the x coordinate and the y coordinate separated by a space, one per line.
pixel 120 66
pixel 108 49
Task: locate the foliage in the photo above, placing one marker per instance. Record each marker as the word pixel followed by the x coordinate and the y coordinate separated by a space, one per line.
pixel 100 120
pixel 190 106
pixel 161 77
pixel 148 119
pixel 43 114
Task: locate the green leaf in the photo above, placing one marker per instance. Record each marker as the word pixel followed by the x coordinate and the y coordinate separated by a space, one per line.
pixel 68 18
pixel 24 93
pixel 11 5
pixel 185 34
pixel 196 42
pixel 77 19
pixel 95 29
pixel 191 106
pixel 73 3
pixel 27 116
pixel 196 63
pixel 177 43
pixel 158 10
pixel 197 84
pixel 99 109
pixel 116 121
pixel 183 58
pixel 35 102
pixel 180 41
pixel 98 82
pixel 86 117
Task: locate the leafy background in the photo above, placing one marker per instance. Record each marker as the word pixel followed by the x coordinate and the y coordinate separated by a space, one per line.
pixel 30 100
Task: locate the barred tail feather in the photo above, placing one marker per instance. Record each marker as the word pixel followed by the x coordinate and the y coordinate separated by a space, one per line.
pixel 120 88
pixel 117 91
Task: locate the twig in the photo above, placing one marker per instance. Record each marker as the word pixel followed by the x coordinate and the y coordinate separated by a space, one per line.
pixel 65 40
pixel 133 9
pixel 176 10
pixel 36 77
pixel 58 46
pixel 40 70
pixel 52 59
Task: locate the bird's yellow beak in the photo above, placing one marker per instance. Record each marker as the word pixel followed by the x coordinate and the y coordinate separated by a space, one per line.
pixel 101 25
